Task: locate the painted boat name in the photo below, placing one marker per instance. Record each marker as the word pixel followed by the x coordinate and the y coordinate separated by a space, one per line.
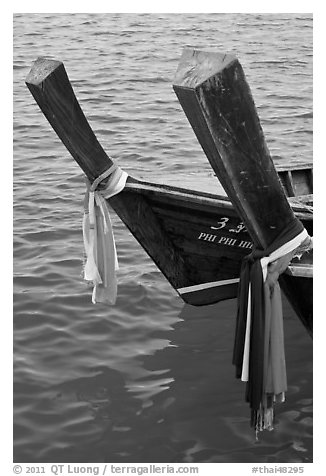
pixel 224 240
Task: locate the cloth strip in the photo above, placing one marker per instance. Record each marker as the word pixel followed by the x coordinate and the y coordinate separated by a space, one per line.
pixel 283 250
pixel 264 262
pixel 101 255
pixel 258 353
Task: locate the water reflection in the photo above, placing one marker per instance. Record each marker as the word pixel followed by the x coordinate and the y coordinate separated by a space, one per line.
pixel 202 412
pixel 171 398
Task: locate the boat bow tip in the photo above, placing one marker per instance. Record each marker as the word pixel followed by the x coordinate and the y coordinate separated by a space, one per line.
pixel 41 69
pixel 196 66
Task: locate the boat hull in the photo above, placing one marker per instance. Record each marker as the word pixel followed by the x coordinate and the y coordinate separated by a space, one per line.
pixel 197 240
pixel 207 233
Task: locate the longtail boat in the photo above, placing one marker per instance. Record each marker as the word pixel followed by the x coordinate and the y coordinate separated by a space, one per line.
pixel 198 240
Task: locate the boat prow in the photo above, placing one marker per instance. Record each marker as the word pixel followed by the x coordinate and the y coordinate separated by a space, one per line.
pixel 198 240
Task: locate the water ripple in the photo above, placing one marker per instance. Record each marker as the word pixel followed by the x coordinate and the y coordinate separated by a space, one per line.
pixel 148 380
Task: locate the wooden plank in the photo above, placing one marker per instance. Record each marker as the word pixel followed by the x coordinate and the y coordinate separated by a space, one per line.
pixel 282 165
pixel 296 180
pixel 302 270
pixel 138 216
pixel 200 200
pixel 302 181
pixel 290 184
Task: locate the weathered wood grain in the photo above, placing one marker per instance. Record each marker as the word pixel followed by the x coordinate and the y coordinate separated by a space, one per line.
pixel 49 84
pixel 215 96
pixel 51 88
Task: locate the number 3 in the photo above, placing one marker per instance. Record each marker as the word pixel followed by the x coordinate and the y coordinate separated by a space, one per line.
pixel 221 224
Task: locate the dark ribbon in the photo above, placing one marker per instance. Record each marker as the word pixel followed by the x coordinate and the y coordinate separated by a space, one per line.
pixel 251 272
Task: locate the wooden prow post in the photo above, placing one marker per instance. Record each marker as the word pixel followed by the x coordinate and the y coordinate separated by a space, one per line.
pixel 49 84
pixel 214 94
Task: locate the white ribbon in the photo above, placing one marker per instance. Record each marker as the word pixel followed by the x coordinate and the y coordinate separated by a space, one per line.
pixel 101 255
pixel 245 362
pixel 282 251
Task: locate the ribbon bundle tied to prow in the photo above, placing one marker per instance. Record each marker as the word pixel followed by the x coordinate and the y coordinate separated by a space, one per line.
pixel 258 354
pixel 101 255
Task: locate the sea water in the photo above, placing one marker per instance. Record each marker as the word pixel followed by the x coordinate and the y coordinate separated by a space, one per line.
pixel 150 379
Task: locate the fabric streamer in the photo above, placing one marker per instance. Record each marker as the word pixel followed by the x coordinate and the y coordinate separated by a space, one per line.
pixel 101 255
pixel 258 353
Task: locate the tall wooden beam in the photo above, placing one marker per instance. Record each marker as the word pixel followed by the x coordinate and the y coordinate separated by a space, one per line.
pixel 215 96
pixel 50 86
